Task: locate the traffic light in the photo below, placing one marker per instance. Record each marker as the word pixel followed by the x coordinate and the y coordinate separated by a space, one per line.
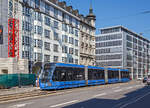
pixel 1 34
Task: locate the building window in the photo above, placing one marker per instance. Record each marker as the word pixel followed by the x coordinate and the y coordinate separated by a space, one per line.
pixel 64 38
pixel 47 21
pixel 26 26
pixel 56 24
pixel 25 40
pixel 109 37
pixel 64 59
pixel 55 48
pixel 47 46
pixel 71 50
pixel 134 40
pixel 55 13
pixel 25 54
pixel 110 43
pixel 64 49
pixel 71 30
pixel 76 52
pixel 76 42
pixel 38 16
pixel 76 61
pixel 71 40
pixel 64 16
pixel 76 23
pixel 37 56
pixel 56 36
pixel 46 58
pixel 55 58
pixel 64 27
pixel 70 19
pixel 111 30
pixel 70 60
pixel 38 43
pixel 38 30
pixel 47 33
pixel 47 8
pixel 76 33
pixel 129 44
pixel 37 3
pixel 109 57
pixel 26 11
pixel 129 38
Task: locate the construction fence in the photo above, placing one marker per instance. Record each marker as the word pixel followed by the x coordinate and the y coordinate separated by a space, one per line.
pixel 12 80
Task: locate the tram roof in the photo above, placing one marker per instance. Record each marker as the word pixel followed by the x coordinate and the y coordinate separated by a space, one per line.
pixel 94 67
pixel 124 70
pixel 113 69
pixel 70 65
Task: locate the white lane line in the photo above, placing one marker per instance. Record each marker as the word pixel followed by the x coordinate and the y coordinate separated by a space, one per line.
pixel 129 88
pixel 123 106
pixel 20 105
pixel 118 90
pixel 64 103
pixel 116 87
pixel 102 94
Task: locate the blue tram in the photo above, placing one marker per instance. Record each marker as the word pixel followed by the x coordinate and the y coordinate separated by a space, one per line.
pixel 60 75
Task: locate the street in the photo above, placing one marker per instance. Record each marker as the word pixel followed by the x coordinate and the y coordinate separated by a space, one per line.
pixel 123 95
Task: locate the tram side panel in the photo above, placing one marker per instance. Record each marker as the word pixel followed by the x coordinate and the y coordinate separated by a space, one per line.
pixel 95 75
pixel 113 75
pixel 86 74
pixel 120 75
pixel 106 75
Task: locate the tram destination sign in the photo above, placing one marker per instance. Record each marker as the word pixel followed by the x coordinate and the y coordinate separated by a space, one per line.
pixel 1 34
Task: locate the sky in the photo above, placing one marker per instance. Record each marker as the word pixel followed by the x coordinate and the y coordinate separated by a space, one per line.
pixel 128 13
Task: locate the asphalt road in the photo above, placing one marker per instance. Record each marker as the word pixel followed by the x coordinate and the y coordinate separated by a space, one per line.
pixel 132 95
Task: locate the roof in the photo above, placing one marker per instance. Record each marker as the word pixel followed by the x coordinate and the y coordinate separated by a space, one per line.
pixel 120 26
pixel 69 65
pixel 94 67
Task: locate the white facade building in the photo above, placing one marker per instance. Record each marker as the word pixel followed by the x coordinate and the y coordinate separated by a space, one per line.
pixel 49 31
pixel 119 47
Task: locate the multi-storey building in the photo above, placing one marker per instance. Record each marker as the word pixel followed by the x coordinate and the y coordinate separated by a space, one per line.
pixel 87 39
pixel 49 30
pixel 121 48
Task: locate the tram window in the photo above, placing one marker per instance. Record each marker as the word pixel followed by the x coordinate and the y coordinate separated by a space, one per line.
pixel 68 74
pixel 95 74
pixel 45 76
pixel 124 74
pixel 113 74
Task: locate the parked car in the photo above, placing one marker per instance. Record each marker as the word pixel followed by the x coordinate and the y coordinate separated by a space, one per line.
pixel 144 79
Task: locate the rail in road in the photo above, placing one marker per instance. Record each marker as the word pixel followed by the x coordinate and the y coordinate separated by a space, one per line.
pixel 39 93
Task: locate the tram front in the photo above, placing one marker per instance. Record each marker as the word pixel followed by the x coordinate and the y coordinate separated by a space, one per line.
pixel 46 76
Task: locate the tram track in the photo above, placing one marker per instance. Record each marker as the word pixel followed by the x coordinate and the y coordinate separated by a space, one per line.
pixel 17 96
pixel 39 93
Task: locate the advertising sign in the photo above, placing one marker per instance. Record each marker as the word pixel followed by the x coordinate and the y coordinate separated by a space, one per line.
pixel 1 34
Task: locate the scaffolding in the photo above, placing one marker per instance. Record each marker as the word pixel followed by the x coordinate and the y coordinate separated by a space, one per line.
pixel 13 30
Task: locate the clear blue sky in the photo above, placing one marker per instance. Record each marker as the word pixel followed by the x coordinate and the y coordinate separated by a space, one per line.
pixel 117 12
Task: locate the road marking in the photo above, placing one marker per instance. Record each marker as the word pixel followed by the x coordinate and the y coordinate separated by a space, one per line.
pixel 129 88
pixel 116 87
pixel 118 90
pixel 99 95
pixel 64 103
pixel 123 106
pixel 20 105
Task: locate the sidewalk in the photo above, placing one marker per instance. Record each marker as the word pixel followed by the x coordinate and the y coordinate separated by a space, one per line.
pixel 25 89
pixel 15 90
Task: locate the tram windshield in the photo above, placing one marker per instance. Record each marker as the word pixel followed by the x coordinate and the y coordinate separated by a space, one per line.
pixel 47 72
